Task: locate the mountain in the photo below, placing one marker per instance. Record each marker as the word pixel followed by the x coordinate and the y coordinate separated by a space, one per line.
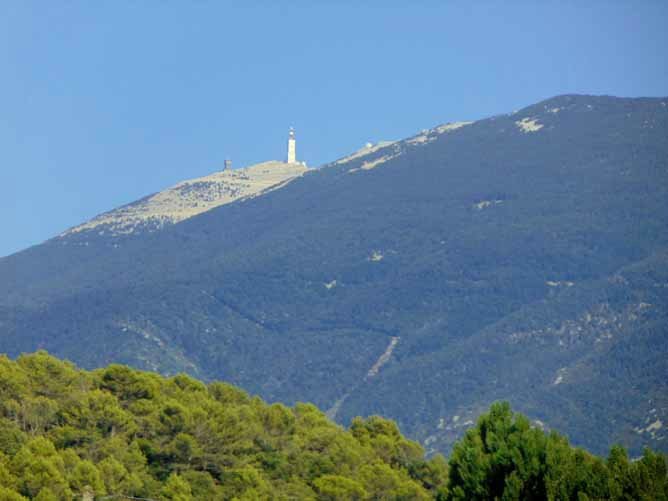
pixel 521 257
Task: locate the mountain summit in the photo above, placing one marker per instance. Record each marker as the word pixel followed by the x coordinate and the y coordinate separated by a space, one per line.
pixel 189 198
pixel 522 257
pixel 194 196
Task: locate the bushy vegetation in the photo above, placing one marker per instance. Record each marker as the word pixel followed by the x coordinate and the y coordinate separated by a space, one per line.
pixel 121 432
pixel 117 433
pixel 504 457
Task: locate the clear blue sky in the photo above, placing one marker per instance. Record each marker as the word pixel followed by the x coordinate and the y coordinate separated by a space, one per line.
pixel 102 103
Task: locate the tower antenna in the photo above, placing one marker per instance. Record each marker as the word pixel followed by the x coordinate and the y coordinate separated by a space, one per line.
pixel 292 147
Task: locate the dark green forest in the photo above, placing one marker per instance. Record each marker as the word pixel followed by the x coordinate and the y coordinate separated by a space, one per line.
pixel 554 297
pixel 120 433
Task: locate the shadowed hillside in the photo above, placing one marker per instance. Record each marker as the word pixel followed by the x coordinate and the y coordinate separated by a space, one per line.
pixel 522 257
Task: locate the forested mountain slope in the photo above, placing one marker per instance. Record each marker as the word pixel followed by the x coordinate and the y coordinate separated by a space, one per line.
pixel 522 257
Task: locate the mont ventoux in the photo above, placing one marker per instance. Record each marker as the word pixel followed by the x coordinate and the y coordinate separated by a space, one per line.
pixel 522 257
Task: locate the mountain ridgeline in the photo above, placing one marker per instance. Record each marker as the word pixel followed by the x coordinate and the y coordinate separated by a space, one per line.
pixel 522 257
pixel 118 433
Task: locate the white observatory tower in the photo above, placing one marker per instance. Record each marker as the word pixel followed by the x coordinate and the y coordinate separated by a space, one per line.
pixel 292 147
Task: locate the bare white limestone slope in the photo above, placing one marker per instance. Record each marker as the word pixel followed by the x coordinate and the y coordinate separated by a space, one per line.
pixel 384 358
pixel 429 135
pixel 194 196
pixel 393 149
pixel 529 125
pixel 367 149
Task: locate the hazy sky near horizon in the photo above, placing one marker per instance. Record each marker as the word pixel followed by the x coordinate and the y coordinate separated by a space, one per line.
pixel 102 103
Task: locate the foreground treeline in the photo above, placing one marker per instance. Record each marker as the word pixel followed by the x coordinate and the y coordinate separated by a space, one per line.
pixel 116 433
